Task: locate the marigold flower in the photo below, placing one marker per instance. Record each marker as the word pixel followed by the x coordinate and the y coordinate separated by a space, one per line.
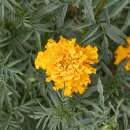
pixel 123 53
pixel 68 64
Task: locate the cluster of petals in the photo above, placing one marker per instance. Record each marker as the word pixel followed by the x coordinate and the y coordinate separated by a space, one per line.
pixel 68 65
pixel 122 53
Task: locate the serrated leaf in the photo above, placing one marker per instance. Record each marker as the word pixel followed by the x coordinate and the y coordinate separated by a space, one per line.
pixel 119 7
pixel 88 10
pixel 100 90
pixel 115 34
pixel 38 39
pixel 11 64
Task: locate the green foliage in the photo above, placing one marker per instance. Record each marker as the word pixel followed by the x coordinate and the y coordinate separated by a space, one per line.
pixel 27 102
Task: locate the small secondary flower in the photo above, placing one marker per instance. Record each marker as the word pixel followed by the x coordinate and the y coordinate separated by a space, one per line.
pixel 123 53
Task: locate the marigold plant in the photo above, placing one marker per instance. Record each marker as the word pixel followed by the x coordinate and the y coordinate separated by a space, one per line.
pixel 123 53
pixel 68 64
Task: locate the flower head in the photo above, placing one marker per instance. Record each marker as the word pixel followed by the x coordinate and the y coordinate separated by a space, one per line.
pixel 123 53
pixel 68 64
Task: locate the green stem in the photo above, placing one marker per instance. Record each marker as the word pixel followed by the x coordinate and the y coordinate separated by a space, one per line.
pixel 99 7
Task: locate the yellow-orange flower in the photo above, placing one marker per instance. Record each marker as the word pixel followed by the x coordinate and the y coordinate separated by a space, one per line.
pixel 68 64
pixel 123 53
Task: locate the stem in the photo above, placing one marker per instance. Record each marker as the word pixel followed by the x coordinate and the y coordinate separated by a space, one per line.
pixel 99 7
